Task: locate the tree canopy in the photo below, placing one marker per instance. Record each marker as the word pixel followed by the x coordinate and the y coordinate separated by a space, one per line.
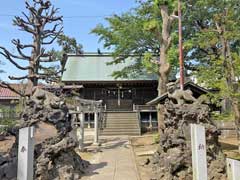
pixel 147 31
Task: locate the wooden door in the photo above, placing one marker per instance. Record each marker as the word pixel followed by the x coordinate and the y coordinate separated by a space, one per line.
pixel 119 100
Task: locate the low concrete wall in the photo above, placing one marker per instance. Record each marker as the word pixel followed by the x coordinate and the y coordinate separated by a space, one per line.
pixel 227 128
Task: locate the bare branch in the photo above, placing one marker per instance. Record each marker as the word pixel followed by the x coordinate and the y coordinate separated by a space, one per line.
pixel 24 26
pixel 30 8
pixel 47 33
pixel 12 55
pixel 18 78
pixel 37 22
pixel 6 85
pixel 53 38
pixel 19 46
pixel 44 6
pixel 8 57
pixel 52 74
pixel 29 21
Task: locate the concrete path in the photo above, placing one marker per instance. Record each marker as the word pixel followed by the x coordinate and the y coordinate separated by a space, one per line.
pixel 115 161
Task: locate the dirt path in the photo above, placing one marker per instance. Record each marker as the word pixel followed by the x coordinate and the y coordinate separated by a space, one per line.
pixel 115 161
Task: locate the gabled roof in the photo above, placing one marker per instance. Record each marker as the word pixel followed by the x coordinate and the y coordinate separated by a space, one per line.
pixel 94 68
pixel 6 93
pixel 197 91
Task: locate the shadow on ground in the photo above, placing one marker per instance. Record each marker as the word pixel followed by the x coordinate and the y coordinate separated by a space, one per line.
pixel 91 170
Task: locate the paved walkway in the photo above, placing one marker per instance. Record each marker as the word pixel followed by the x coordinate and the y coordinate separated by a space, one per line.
pixel 115 161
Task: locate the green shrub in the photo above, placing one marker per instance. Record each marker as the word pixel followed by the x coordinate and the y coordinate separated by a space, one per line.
pixel 228 116
pixel 7 124
pixel 156 138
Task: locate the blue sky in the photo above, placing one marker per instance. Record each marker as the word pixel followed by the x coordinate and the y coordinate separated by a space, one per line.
pixel 80 17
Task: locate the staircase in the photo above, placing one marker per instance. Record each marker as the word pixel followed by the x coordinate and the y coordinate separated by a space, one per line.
pixel 120 123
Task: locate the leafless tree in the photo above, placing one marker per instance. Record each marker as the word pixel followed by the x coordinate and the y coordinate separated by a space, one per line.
pixel 44 26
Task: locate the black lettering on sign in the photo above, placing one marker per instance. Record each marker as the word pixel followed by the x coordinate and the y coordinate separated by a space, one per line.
pixel 200 147
pixel 23 149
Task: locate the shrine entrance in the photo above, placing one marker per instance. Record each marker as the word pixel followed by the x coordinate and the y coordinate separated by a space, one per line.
pixel 82 107
pixel 119 99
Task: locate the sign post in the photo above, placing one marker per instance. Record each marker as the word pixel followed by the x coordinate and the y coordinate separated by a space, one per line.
pixel 199 158
pixel 25 154
pixel 233 169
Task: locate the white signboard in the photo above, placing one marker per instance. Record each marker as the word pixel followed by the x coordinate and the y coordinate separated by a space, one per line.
pixel 233 169
pixel 199 159
pixel 25 154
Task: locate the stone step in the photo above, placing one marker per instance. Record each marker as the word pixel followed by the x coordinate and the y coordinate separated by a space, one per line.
pixel 116 128
pixel 120 133
pixel 121 123
pixel 121 114
pixel 120 129
pixel 121 120
pixel 120 117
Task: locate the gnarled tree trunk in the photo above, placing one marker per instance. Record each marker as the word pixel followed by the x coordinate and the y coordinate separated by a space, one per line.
pixel 164 66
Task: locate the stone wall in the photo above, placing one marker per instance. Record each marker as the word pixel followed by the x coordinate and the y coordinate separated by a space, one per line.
pixel 54 155
pixel 173 160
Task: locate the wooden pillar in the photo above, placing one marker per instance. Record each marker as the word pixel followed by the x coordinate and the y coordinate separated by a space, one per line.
pixel 25 154
pixel 96 133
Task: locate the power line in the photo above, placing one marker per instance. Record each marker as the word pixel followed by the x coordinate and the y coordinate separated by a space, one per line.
pixel 65 17
pixel 71 17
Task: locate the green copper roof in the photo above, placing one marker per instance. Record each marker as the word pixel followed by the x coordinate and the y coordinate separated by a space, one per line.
pixel 94 68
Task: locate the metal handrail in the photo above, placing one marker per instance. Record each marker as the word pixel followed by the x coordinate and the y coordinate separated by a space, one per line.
pixel 144 107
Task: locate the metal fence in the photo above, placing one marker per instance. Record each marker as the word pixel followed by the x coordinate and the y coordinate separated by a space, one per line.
pixel 11 115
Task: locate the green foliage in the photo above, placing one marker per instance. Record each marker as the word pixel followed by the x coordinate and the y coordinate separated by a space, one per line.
pixel 150 67
pixel 156 138
pixel 210 26
pixel 228 116
pixel 68 45
pixel 136 32
pixel 6 109
pixel 7 122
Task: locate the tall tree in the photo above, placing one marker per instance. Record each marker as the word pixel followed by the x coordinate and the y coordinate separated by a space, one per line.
pixel 68 45
pixel 147 31
pixel 215 43
pixel 44 26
